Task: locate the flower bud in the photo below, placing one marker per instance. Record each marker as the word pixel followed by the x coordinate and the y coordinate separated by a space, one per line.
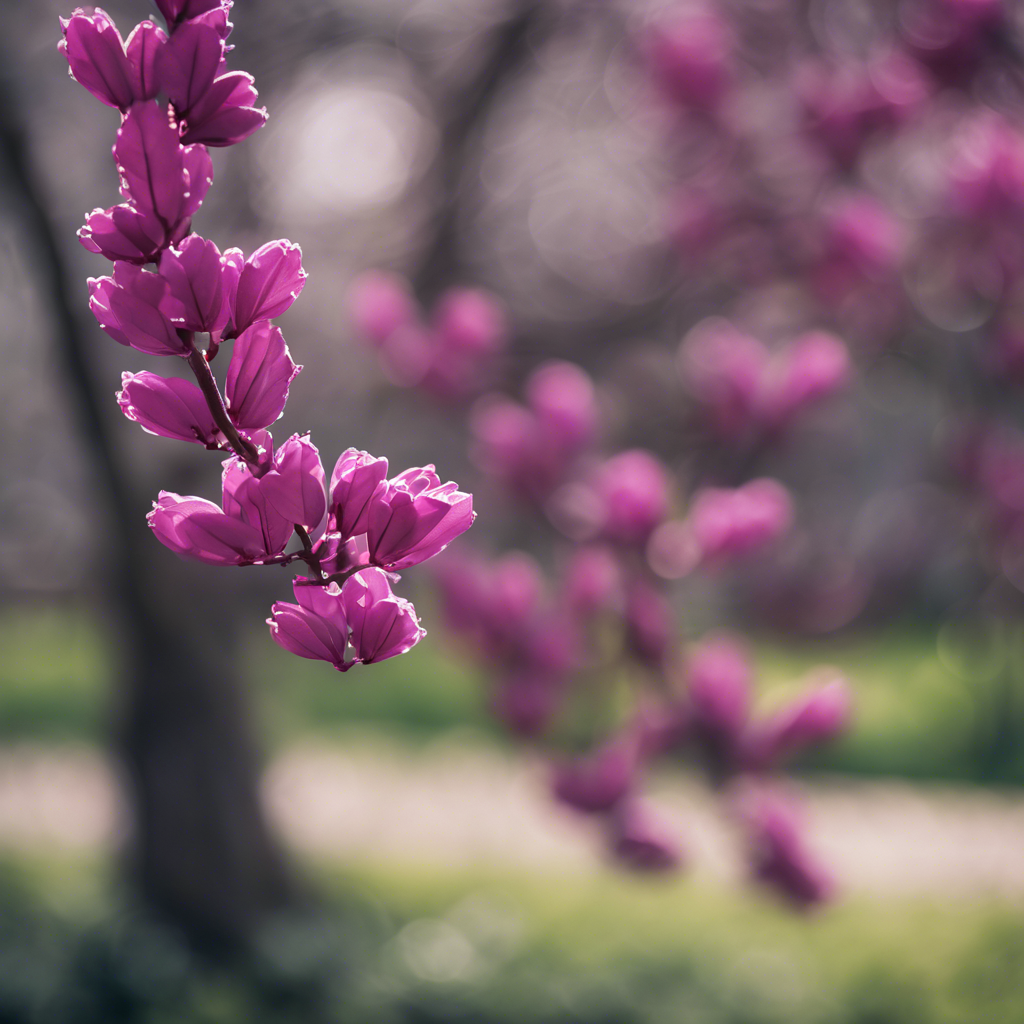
pixel 169 407
pixel 634 492
pixel 731 523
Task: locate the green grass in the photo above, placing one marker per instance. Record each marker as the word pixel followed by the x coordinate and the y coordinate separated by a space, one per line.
pixel 928 704
pixel 56 668
pixel 492 947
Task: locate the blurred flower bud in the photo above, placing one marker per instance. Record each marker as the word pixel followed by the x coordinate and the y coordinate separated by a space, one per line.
pixel 819 715
pixel 462 581
pixel 731 523
pixel 862 240
pixel 649 623
pixel 723 368
pixel 509 445
pixel 562 396
pixel 986 171
pixel 640 841
pixel 689 58
pixel 814 366
pixel 525 701
pixel 634 491
pixel 381 305
pixel 779 857
pixel 718 678
pixel 591 582
pixel 661 727
pixel 598 782
pixel 469 320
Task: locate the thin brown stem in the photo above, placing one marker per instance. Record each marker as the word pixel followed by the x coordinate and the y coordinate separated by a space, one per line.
pixel 242 447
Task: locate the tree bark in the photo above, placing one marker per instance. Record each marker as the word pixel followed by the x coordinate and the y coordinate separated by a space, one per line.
pixel 201 854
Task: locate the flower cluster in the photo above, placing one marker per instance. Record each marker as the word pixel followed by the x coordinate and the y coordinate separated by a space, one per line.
pixel 453 356
pixel 169 286
pixel 568 655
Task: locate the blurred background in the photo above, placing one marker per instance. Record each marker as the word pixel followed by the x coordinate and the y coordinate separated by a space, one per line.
pixel 670 195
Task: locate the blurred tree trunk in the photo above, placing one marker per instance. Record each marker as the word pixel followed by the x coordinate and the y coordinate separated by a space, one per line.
pixel 201 853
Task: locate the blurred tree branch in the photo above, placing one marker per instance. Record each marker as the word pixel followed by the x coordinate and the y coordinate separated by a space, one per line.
pixel 202 854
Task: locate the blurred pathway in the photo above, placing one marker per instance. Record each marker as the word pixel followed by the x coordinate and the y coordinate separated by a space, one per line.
pixel 455 805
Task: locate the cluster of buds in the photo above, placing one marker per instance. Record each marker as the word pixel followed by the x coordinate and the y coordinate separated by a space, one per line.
pixel 870 187
pixel 742 390
pixel 169 286
pixel 566 654
pixel 452 356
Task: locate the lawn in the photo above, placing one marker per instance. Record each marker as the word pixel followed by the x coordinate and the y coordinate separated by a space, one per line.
pixel 930 703
pixel 438 946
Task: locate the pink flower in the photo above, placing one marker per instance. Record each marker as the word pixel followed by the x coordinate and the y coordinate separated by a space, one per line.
pixel 163 182
pixel 690 57
pixel 381 305
pixel 718 680
pixel 821 714
pixel 812 367
pixel 354 481
pixel 591 582
pixel 561 396
pixel 193 274
pixel 268 282
pixel 779 856
pixel 731 523
pixel 170 407
pixel 598 782
pixel 723 368
pixel 315 627
pixel 413 516
pixel 136 309
pixel 259 375
pixel 96 57
pixel 258 513
pixel 640 841
pixel 633 489
pixel 650 623
pixel 383 625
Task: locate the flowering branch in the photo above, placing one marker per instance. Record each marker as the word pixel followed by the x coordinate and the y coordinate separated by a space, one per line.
pixel 176 98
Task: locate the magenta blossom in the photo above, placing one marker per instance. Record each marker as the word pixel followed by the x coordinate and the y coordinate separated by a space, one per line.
pixel 362 615
pixel 723 368
pixel 633 490
pixel 259 376
pixel 592 581
pixel 354 481
pixel 163 182
pixel 562 398
pixel 193 274
pixel 821 714
pixel 169 407
pixel 639 840
pixel 181 10
pixel 810 368
pixel 650 623
pixel 731 523
pixel 315 627
pixel 690 57
pixel 598 782
pixel 779 854
pixel 718 680
pixel 383 625
pixel 265 285
pixel 136 309
pixel 258 513
pixel 413 516
pixel 227 113
pixel 97 59
pixel 381 306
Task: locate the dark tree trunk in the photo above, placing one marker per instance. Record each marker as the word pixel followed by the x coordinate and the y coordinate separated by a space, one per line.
pixel 201 854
